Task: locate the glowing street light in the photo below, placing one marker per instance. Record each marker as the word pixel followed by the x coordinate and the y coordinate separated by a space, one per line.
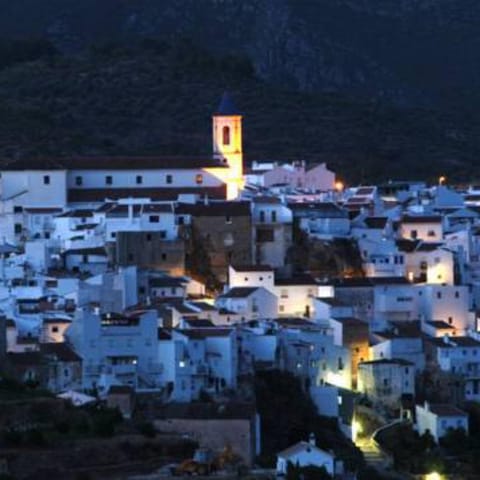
pixel 339 186
pixel 441 180
pixel 356 429
pixel 433 476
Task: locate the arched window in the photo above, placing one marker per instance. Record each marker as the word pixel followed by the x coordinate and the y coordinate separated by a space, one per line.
pixel 226 135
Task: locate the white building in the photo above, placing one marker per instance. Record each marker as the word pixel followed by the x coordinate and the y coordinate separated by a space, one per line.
pixel 249 302
pixel 386 380
pixel 304 454
pixel 437 419
pixel 428 228
pixel 121 348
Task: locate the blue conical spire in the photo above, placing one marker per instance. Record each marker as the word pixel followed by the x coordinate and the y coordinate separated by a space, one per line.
pixel 226 106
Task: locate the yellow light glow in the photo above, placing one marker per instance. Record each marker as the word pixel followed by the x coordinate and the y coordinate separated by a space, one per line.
pixel 339 186
pixel 442 179
pixel 356 429
pixel 433 476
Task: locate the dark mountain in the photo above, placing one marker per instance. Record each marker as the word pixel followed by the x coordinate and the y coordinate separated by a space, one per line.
pixel 411 51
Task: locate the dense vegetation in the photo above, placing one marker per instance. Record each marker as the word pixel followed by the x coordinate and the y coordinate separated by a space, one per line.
pixel 289 416
pixel 155 97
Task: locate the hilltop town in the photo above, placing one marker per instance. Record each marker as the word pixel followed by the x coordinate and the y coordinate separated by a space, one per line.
pixel 183 295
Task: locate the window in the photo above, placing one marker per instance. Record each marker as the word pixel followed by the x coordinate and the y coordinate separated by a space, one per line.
pixel 226 135
pixel 164 256
pixel 228 219
pixel 163 234
pixel 17 209
pixel 431 233
pixel 54 329
pixel 149 237
pixel 181 220
pixel 47 235
pixel 169 179
pixel 198 178
pixel 113 234
pixel 284 293
pixel 130 257
pixel 265 235
pixel 457 294
pixel 413 234
pixel 108 180
pixel 262 216
pixel 139 180
pixel 450 320
pixel 274 216
pixel 439 295
pixel 46 179
pixel 18 228
pixel 154 218
pixel 78 181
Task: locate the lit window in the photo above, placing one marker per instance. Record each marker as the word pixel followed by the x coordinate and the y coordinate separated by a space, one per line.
pixel 226 135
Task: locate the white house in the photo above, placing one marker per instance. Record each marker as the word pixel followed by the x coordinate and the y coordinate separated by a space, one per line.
pixel 386 380
pixel 305 454
pixel 119 347
pixel 437 419
pixel 428 228
pixel 272 231
pixel 249 302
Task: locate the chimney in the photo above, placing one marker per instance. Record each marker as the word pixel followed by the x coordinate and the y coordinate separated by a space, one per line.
pixel 427 406
pixel 311 439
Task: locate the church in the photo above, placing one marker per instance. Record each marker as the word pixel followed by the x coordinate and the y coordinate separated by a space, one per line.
pixel 88 181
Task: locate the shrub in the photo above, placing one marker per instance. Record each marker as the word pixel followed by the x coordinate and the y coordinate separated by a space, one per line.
pixel 147 429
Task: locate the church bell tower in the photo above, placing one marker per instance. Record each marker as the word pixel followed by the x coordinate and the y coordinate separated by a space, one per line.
pixel 227 143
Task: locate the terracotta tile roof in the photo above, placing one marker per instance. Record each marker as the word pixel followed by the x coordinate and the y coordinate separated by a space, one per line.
pixel 61 351
pixel 199 323
pixel 42 210
pixel 113 163
pixel 388 361
pixel 80 213
pixel 215 209
pixel 376 222
pixel 87 251
pixel 239 292
pixel 79 195
pixel 202 333
pixel 252 268
pixel 446 410
pixel 422 219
